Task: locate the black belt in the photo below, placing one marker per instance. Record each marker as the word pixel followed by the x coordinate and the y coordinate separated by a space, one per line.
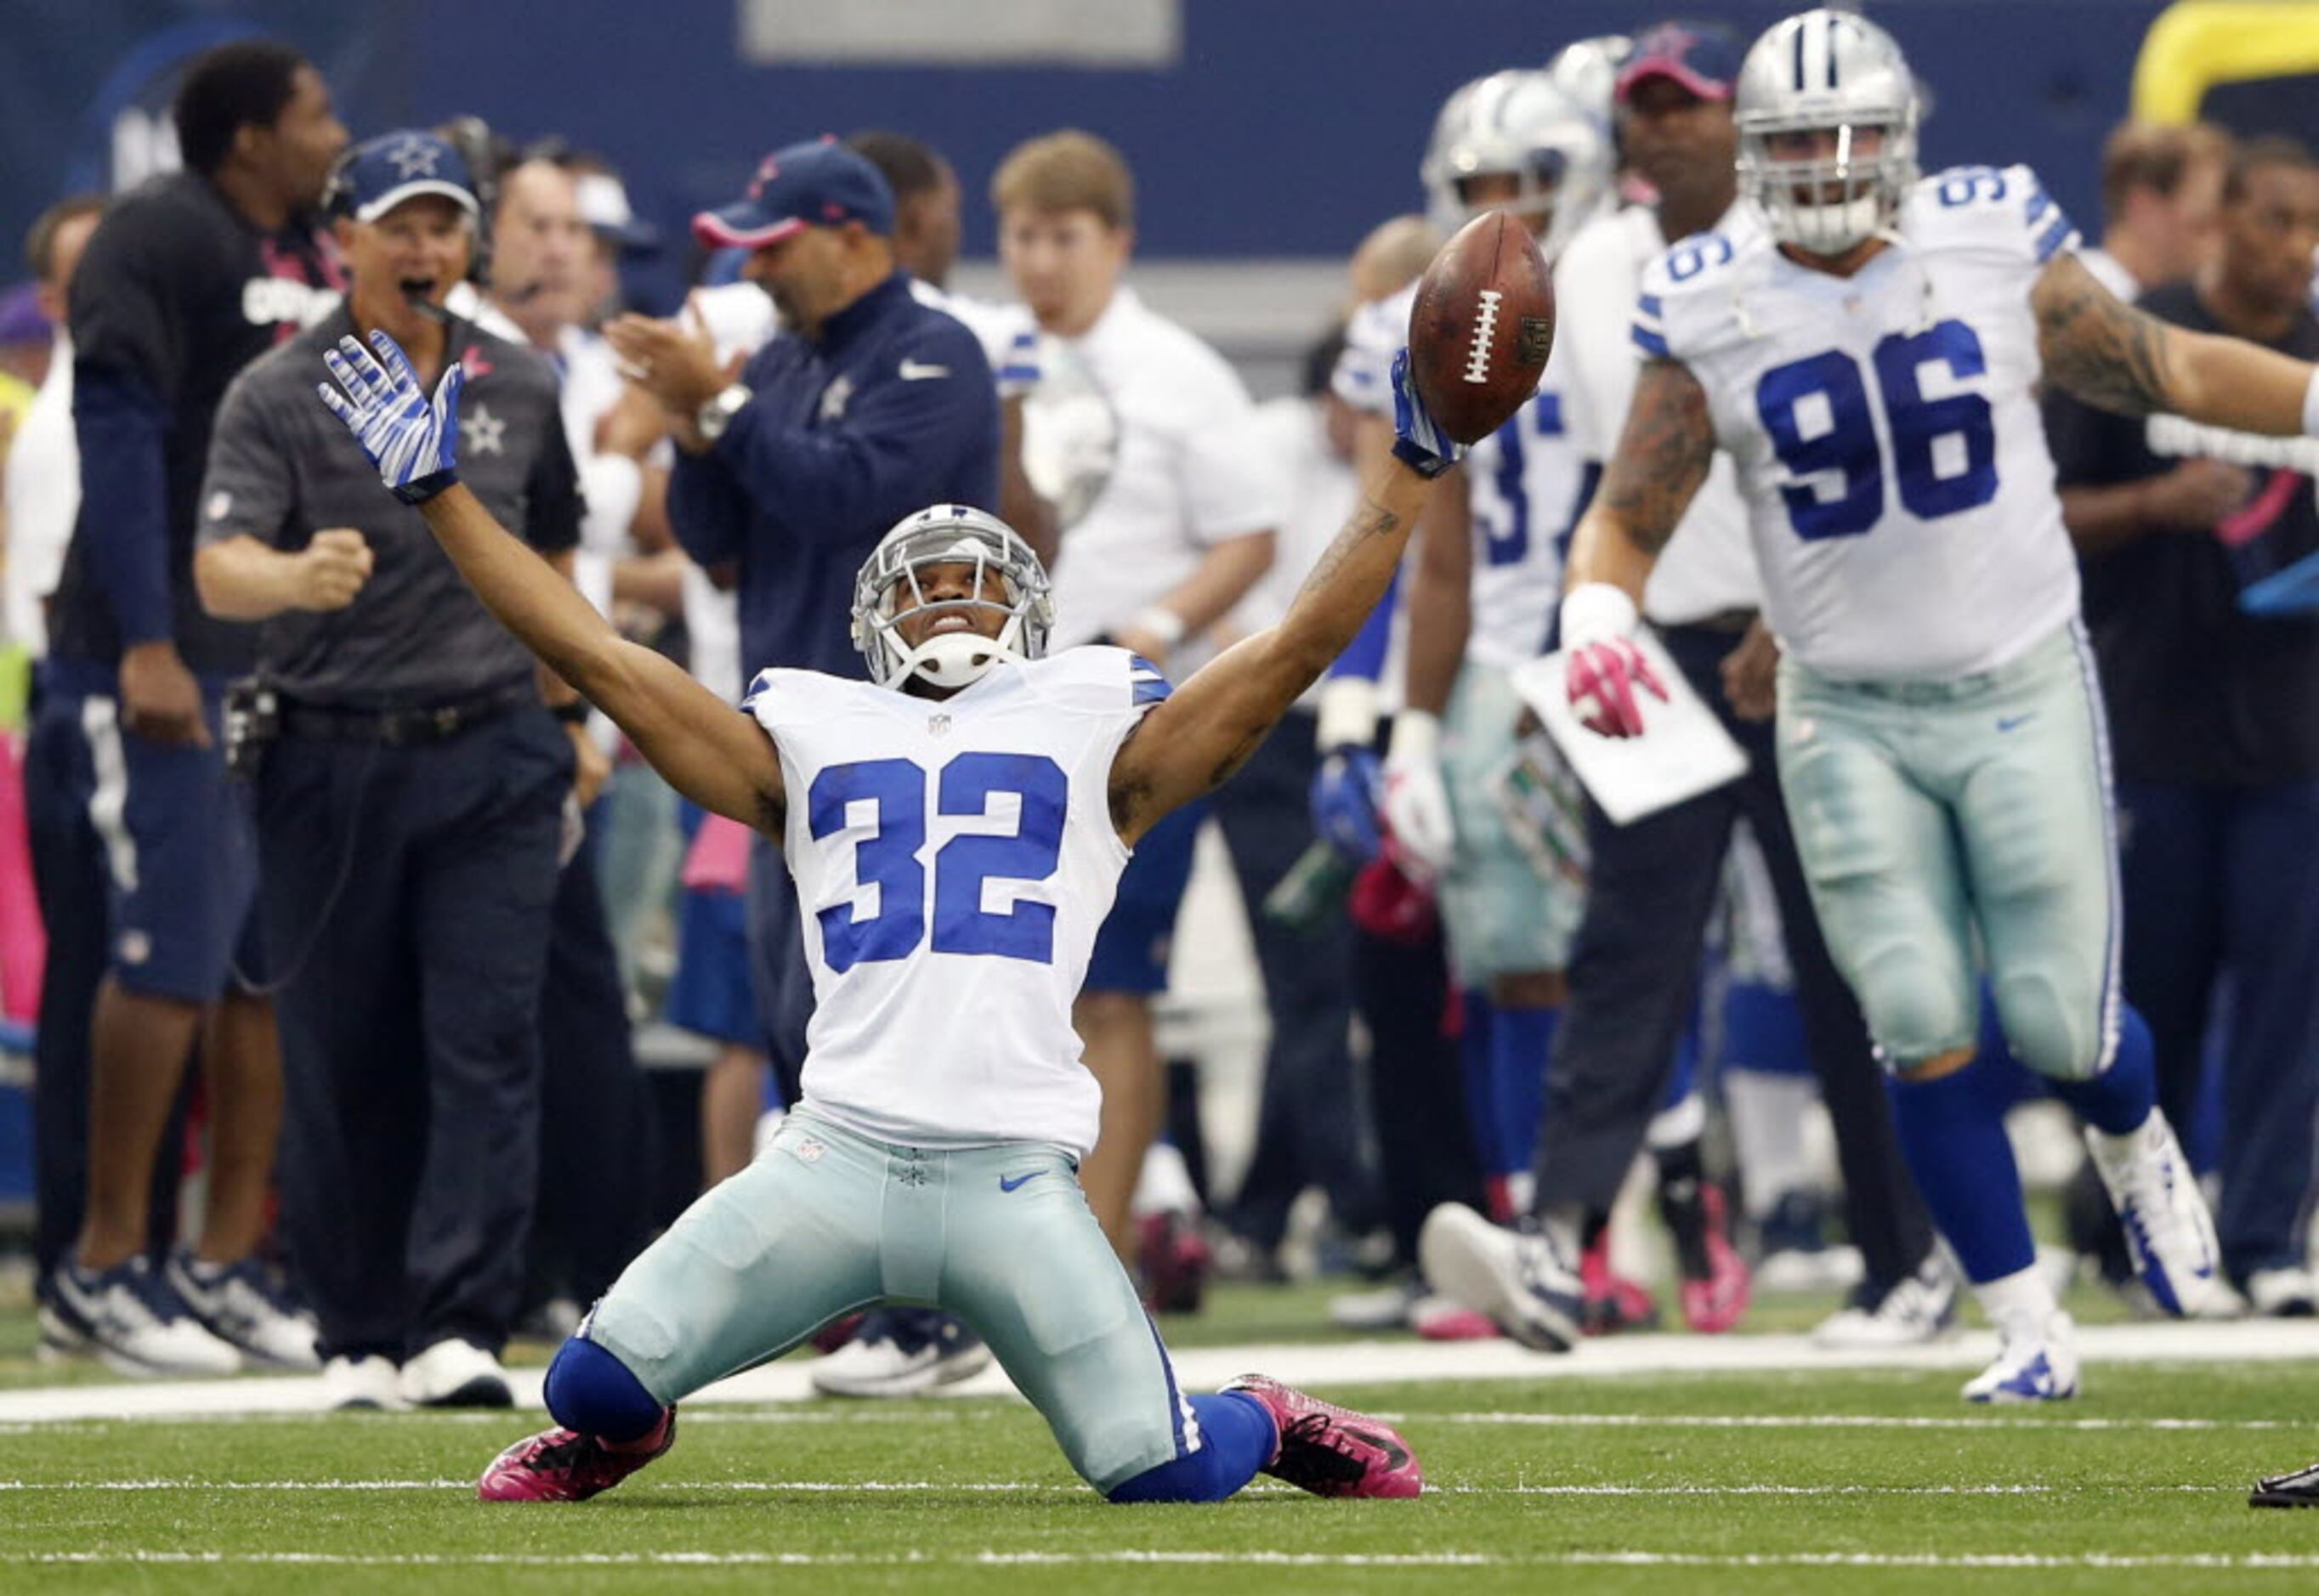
pixel 1730 622
pixel 403 726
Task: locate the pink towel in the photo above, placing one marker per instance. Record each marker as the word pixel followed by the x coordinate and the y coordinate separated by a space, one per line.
pixel 23 941
pixel 719 860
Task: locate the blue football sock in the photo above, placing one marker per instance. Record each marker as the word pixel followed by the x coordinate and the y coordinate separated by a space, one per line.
pixel 1237 1439
pixel 1521 1040
pixel 1951 1132
pixel 593 1391
pixel 1764 1031
pixel 2120 1098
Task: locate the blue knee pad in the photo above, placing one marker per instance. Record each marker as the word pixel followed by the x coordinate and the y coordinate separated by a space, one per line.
pixel 1237 1439
pixel 592 1392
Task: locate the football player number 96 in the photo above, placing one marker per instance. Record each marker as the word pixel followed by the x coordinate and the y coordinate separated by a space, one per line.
pixel 1845 439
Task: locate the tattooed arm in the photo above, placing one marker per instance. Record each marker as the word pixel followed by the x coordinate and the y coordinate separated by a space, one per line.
pixel 2118 358
pixel 1190 744
pixel 1662 458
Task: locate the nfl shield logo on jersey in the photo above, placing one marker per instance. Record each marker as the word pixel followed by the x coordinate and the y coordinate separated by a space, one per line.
pixel 937 726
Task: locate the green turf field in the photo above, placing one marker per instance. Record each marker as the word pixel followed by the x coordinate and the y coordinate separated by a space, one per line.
pixel 1840 1483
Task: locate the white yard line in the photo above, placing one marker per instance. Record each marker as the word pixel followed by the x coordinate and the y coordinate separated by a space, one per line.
pixel 2228 1562
pixel 1322 1365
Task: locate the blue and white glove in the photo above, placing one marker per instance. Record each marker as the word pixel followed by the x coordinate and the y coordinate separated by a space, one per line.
pixel 1420 444
pixel 410 439
pixel 1345 791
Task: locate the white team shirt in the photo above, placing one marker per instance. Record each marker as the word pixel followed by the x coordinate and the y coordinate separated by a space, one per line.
pixel 1525 484
pixel 43 501
pixel 1886 428
pixel 1708 567
pixel 953 860
pixel 1190 473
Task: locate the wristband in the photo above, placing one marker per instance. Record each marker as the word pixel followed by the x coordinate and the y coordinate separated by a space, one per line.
pixel 1161 622
pixel 1595 610
pixel 576 713
pixel 1349 712
pixel 2310 405
pixel 1416 738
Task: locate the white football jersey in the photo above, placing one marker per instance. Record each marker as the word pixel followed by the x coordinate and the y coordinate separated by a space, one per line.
pixel 1886 429
pixel 954 859
pixel 1525 484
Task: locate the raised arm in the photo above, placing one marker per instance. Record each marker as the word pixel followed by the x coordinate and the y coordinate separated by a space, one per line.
pixel 1191 743
pixel 707 749
pixel 2118 358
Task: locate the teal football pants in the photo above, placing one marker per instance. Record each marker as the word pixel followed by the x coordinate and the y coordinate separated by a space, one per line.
pixel 1939 818
pixel 827 1221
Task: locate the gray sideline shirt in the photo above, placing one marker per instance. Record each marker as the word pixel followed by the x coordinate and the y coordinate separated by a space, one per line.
pixel 282 468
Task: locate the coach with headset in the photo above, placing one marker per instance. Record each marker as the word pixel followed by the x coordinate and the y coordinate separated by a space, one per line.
pixel 409 805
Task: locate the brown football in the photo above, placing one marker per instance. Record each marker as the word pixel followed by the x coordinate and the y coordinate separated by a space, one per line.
pixel 1482 327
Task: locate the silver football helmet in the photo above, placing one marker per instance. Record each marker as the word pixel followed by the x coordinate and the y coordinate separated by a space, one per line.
pixel 1517 123
pixel 1827 71
pixel 1588 72
pixel 887 589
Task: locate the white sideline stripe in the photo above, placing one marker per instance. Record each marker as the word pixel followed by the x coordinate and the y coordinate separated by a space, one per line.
pixel 2248 1562
pixel 1016 1487
pixel 1322 1365
pixel 1828 1422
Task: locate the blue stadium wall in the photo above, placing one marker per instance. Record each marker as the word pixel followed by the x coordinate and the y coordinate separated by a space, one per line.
pixel 1268 128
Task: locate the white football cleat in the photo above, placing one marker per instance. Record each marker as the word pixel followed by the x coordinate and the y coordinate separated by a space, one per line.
pixel 2168 1230
pixel 370 1382
pixel 901 1352
pixel 1914 1311
pixel 2283 1293
pixel 1516 1277
pixel 456 1374
pixel 245 1304
pixel 131 1317
pixel 2036 1362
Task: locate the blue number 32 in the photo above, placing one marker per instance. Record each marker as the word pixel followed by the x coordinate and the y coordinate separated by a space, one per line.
pixel 1847 443
pixel 888 856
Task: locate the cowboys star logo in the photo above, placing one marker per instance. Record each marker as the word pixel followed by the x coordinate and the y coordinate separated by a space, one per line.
pixel 414 156
pixel 482 433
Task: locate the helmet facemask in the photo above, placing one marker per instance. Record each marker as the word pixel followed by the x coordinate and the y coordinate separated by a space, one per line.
pixel 893 586
pixel 1828 203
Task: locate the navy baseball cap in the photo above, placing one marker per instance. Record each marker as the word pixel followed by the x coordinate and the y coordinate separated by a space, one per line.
pixel 821 184
pixel 1703 57
pixel 379 173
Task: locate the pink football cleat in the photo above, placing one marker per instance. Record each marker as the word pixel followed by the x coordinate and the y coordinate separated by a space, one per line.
pixel 1716 1281
pixel 564 1466
pixel 1328 1450
pixel 1612 1302
pixel 1175 1261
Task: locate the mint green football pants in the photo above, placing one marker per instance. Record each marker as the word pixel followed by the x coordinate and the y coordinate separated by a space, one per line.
pixel 1939 818
pixel 826 1221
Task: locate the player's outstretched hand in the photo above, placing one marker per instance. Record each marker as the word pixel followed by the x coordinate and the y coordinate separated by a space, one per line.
pixel 411 439
pixel 1604 673
pixel 1420 444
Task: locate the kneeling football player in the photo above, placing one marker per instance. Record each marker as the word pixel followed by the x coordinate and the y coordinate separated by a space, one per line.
pixel 956 827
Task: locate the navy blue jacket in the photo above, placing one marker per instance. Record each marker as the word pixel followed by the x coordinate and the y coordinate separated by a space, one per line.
pixel 891 409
